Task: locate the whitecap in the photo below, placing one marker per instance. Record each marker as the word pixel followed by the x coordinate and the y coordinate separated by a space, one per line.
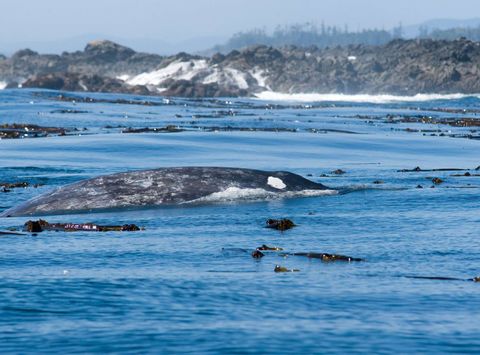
pixel 360 98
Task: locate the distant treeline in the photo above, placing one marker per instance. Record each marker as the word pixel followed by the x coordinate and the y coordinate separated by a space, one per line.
pixel 471 33
pixel 305 35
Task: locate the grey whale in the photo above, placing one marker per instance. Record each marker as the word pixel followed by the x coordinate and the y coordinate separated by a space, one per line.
pixel 163 186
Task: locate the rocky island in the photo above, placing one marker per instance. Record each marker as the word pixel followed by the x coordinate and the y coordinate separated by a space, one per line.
pixel 401 67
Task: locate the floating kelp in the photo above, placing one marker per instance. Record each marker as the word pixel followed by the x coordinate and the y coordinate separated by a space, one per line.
pixel 442 278
pixel 326 257
pixel 467 174
pixel 338 172
pixel 16 131
pixel 166 129
pixel 279 268
pixel 266 247
pixel 8 186
pixel 256 254
pixel 10 233
pixel 42 225
pixel 437 180
pixel 418 169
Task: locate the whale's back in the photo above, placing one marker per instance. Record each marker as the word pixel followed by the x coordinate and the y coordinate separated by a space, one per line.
pixel 164 186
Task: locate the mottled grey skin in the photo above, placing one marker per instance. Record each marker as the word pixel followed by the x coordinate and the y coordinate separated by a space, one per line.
pixel 164 186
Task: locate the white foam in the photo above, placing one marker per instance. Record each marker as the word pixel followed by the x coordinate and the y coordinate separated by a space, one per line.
pixel 237 77
pixel 227 76
pixel 275 96
pixel 276 183
pixel 176 70
pixel 123 77
pixel 260 76
pixel 235 194
pixel 3 85
pixel 83 86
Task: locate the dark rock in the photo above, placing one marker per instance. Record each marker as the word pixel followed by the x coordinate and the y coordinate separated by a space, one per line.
pixel 80 82
pixel 108 51
pixel 437 181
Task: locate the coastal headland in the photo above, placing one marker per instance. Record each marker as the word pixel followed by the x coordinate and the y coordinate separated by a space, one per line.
pixel 401 67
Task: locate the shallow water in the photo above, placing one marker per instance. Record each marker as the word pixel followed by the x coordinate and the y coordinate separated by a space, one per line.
pixel 184 284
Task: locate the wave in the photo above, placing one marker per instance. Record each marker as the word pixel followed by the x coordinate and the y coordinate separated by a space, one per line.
pixel 232 194
pixel 360 98
pixel 3 85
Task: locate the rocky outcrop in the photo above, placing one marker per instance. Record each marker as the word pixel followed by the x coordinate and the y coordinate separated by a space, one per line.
pixel 404 67
pixel 81 82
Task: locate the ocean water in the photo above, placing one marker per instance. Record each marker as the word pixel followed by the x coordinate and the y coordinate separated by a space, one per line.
pixel 187 282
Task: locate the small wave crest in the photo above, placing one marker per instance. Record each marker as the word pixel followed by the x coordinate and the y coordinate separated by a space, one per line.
pixel 3 85
pixel 360 98
pixel 232 194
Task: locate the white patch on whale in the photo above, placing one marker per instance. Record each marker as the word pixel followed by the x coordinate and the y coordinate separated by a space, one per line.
pixel 233 194
pixel 276 183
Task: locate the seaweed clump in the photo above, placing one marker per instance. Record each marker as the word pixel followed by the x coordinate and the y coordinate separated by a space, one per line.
pixel 266 247
pixel 257 254
pixel 42 225
pixel 280 224
pixel 20 130
pixel 279 268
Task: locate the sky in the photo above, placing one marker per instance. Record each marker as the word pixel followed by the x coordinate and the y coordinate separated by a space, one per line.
pixel 174 21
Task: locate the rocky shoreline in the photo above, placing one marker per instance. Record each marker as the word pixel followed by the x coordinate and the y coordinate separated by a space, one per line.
pixel 401 67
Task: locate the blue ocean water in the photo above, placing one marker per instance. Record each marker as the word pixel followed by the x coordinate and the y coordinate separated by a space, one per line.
pixel 187 283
